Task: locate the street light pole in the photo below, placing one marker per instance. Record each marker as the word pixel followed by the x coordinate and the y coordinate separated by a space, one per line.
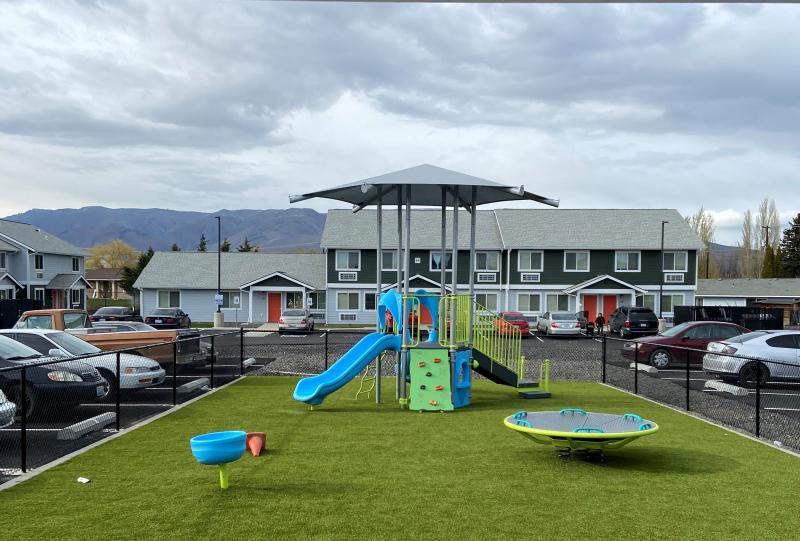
pixel 219 258
pixel 661 276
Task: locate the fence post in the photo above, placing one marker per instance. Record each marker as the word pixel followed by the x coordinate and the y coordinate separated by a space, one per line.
pixel 326 350
pixel 758 399
pixel 687 379
pixel 635 369
pixel 116 394
pixel 213 359
pixel 604 357
pixel 174 372
pixel 23 436
pixel 241 351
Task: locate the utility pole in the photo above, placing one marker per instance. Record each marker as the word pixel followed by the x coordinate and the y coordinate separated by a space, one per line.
pixel 661 277
pixel 219 258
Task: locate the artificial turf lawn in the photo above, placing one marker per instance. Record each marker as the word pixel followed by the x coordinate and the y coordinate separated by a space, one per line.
pixel 350 469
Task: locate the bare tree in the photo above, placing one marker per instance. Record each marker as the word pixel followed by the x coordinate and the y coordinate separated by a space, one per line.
pixel 767 229
pixel 746 256
pixel 702 222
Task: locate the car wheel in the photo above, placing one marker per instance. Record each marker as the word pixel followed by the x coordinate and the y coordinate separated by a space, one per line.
pixel 31 401
pixel 112 384
pixel 661 359
pixel 748 373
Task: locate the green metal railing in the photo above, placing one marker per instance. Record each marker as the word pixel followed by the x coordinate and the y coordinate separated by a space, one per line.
pixel 462 306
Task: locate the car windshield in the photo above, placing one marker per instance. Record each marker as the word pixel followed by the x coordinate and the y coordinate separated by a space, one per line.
pixel 562 316
pixel 640 313
pixel 746 337
pixel 676 330
pixel 163 312
pixel 109 310
pixel 72 344
pixel 37 322
pixel 513 315
pixel 291 313
pixel 74 320
pixel 11 349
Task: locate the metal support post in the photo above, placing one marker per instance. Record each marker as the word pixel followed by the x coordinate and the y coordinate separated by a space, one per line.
pixel 174 372
pixel 241 351
pixel 326 350
pixel 117 393
pixel 758 400
pixel 473 219
pixel 688 379
pixel 23 425
pixel 454 270
pixel 635 370
pixel 378 287
pixel 213 359
pixel 604 358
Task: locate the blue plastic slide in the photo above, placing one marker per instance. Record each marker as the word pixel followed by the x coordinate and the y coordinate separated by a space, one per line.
pixel 314 389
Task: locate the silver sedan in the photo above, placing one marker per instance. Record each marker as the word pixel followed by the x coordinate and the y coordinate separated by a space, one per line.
pixel 558 324
pixel 733 359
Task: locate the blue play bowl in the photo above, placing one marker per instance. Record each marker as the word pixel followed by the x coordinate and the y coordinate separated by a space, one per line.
pixel 218 447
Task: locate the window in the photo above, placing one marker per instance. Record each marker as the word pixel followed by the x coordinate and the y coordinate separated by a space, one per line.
pixel 76 264
pixel 628 262
pixel 348 260
pixel 557 302
pixel 669 302
pixel 38 262
pixel 369 301
pixel 389 260
pixel 722 332
pixel 169 299
pixel 487 261
pixel 294 299
pixel 33 341
pixel 436 260
pixel 347 301
pixel 5 294
pixel 646 301
pixel 38 294
pixel 487 300
pixel 529 260
pixel 529 302
pixel 317 300
pixel 37 322
pixel 2 260
pixel 75 296
pixel 231 299
pixel 675 261
pixel 576 261
pixel 700 332
pixel 787 341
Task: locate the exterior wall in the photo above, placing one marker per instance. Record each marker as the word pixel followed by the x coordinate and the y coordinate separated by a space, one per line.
pixel 199 304
pixel 366 317
pixel 53 264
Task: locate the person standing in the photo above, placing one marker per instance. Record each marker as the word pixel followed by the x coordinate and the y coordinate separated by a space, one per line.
pixel 599 323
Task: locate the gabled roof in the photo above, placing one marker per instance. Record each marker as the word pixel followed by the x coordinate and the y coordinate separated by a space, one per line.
pixel 749 287
pixel 597 229
pixel 198 270
pixel 7 247
pixel 66 281
pixel 35 239
pixel 600 278
pixel 104 274
pixel 436 285
pixel 273 275
pixel 10 279
pixel 344 229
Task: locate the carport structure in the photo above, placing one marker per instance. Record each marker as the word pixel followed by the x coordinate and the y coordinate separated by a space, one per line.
pixel 427 186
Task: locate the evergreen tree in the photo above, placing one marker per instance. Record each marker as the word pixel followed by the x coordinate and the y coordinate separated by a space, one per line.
pixel 768 264
pixel 790 248
pixel 226 246
pixel 202 246
pixel 131 273
pixel 175 247
pixel 247 247
pixel 778 270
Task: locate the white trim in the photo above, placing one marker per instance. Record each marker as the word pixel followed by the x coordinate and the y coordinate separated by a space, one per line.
pixel 356 309
pixel 336 260
pixel 476 269
pixel 679 287
pixel 680 275
pixel 11 278
pixel 599 278
pixel 272 275
pixel 546 295
pixel 734 295
pixel 685 253
pixel 44 297
pixel 394 257
pixel 444 259
pixel 437 285
pixel 539 295
pixel 275 289
pixel 496 300
pixel 15 241
pixel 541 261
pixel 639 258
pixel 35 268
pixel 483 275
pixel 683 300
pixel 588 260
pixel 363 301
pixel 180 298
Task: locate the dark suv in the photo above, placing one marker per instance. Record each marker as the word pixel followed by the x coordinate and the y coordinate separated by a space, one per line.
pixel 633 321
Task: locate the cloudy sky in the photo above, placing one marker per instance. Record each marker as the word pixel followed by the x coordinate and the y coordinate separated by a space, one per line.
pixel 208 105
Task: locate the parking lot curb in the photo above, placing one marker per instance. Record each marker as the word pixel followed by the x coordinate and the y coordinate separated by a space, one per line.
pixel 708 421
pixel 33 472
pixel 725 388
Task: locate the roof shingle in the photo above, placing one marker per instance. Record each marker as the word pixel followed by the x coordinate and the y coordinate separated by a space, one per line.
pixel 37 239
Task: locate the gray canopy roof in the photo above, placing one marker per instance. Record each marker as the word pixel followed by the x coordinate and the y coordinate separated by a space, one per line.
pixel 425 182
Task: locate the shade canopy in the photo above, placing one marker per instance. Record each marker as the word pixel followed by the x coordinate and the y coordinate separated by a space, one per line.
pixel 425 183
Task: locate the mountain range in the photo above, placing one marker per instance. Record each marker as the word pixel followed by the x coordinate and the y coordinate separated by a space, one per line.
pixel 271 230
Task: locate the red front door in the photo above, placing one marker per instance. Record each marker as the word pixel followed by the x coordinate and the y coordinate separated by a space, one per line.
pixel 273 306
pixel 609 305
pixel 590 306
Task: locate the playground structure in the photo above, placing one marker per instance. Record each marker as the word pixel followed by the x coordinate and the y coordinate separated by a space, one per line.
pixel 435 373
pixel 219 449
pixel 573 429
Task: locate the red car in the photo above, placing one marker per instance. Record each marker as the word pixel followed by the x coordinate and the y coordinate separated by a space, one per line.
pixel 515 319
pixel 693 334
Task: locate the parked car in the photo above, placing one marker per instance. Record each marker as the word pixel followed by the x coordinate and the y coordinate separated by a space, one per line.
pixel 55 318
pixel 558 324
pixel 7 410
pixel 122 326
pixel 782 347
pixel 168 318
pixel 518 320
pixel 694 334
pixel 633 321
pixel 115 313
pixel 295 319
pixel 137 372
pixel 133 326
pixel 49 387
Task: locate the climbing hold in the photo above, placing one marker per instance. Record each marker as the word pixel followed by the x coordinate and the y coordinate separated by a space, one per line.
pixel 422 387
pixel 632 417
pixel 522 422
pixel 428 374
pixel 588 429
pixel 433 402
pixel 437 360
pixel 421 364
pixel 439 388
pixel 520 414
pixel 572 411
pixel 645 426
